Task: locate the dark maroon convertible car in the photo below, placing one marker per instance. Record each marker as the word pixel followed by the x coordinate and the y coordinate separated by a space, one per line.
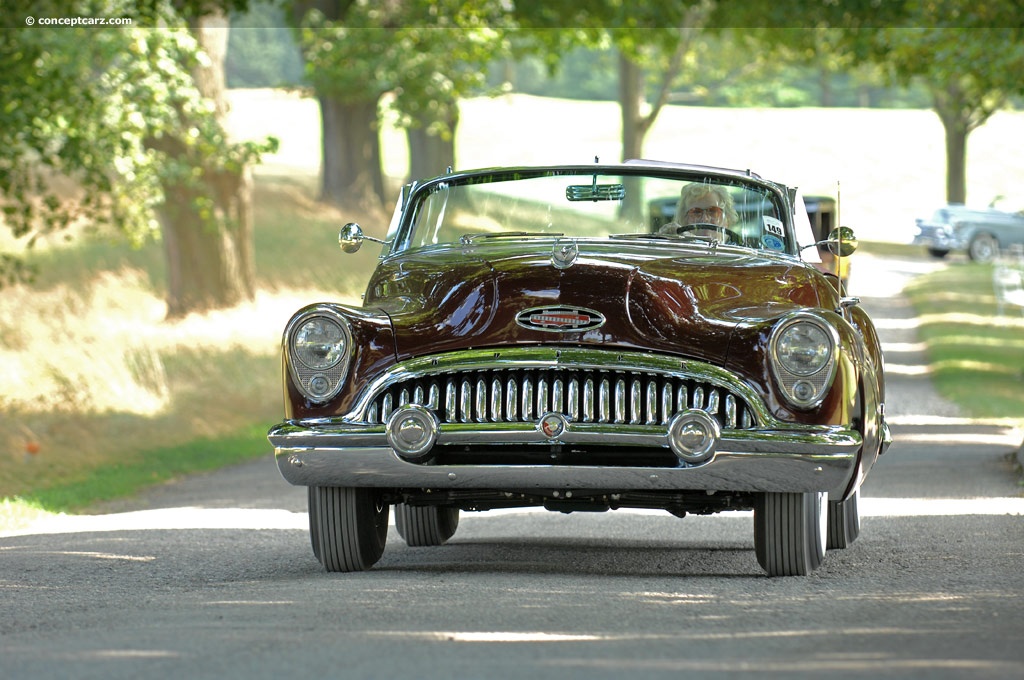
pixel 586 338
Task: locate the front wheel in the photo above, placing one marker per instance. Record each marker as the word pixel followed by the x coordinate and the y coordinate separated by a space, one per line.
pixel 348 527
pixel 425 525
pixel 790 532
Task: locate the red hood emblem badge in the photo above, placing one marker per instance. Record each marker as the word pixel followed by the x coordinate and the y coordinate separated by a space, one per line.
pixel 560 319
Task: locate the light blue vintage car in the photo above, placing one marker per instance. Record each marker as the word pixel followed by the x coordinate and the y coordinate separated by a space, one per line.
pixel 981 233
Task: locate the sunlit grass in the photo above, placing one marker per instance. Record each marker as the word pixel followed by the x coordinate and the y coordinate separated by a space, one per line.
pixel 146 467
pixel 91 373
pixel 976 354
pixel 18 513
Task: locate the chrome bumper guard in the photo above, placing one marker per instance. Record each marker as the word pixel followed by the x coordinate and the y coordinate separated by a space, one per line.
pixel 797 459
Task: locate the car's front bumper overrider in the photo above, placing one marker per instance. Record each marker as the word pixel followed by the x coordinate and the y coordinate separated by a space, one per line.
pixel 784 459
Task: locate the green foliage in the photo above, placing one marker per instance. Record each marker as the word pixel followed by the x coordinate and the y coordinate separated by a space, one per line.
pixel 94 122
pixel 261 51
pixel 428 53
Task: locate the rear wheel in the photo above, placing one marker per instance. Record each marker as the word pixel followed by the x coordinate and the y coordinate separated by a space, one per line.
pixel 983 248
pixel 790 532
pixel 349 527
pixel 843 522
pixel 425 525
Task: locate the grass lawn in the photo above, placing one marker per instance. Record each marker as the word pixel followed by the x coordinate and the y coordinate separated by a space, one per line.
pixel 101 396
pixel 976 353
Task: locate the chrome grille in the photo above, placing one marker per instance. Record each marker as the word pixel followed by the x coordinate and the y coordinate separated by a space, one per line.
pixel 589 396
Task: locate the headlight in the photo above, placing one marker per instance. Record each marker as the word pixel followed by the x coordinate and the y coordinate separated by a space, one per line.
pixel 804 350
pixel 319 347
pixel 319 343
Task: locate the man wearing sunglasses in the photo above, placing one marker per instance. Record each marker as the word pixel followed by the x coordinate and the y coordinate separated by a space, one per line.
pixel 704 211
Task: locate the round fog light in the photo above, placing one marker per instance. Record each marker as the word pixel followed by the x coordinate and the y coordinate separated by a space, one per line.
pixel 412 431
pixel 319 385
pixel 804 391
pixel 693 435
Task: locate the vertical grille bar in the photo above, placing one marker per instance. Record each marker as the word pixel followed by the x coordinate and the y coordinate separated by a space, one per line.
pixel 712 406
pixel 620 400
pixel 542 395
pixel 573 396
pixel 604 402
pixel 635 407
pixel 450 403
pixel 666 402
pixel 466 401
pixel 558 395
pixel 496 394
pixel 527 400
pixel 651 401
pixel 481 400
pixel 588 400
pixel 511 399
pixel 730 411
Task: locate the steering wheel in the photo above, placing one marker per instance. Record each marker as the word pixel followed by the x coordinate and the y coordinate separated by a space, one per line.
pixel 733 237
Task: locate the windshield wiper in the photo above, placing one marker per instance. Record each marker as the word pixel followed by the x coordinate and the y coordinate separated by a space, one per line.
pixel 467 239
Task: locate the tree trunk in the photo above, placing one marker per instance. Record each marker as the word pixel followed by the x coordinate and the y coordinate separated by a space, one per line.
pixel 961 112
pixel 631 97
pixel 208 247
pixel 351 175
pixel 208 267
pixel 957 128
pixel 956 162
pixel 430 154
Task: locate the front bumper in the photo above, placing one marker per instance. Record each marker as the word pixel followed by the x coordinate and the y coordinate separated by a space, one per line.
pixel 937 238
pixel 798 459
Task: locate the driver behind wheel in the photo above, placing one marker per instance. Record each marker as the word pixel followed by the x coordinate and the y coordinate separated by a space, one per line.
pixel 703 210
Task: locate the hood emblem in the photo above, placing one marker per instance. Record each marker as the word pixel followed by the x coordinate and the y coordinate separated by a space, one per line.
pixel 560 319
pixel 564 254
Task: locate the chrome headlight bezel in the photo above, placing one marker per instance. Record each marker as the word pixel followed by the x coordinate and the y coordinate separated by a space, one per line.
pixel 804 387
pixel 319 381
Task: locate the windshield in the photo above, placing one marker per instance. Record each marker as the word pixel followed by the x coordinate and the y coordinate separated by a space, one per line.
pixel 712 208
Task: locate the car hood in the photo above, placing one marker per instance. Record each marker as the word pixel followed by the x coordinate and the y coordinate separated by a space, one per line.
pixel 680 299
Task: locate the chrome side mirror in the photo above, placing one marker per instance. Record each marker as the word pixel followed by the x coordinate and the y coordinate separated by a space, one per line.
pixel 842 242
pixel 351 238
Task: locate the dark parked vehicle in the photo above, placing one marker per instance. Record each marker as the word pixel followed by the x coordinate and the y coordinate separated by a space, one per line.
pixel 981 233
pixel 547 336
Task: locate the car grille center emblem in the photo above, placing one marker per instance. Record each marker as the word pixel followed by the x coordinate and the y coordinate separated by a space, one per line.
pixel 560 319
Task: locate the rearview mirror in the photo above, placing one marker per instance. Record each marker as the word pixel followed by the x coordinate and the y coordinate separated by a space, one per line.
pixel 595 192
